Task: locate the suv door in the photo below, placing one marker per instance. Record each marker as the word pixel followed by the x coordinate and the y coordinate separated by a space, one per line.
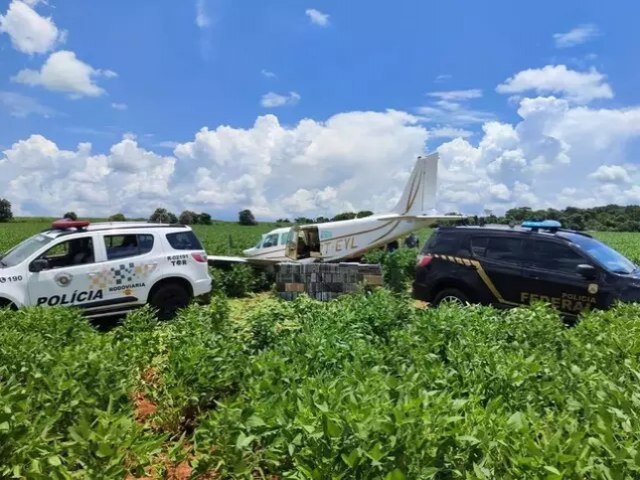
pixel 550 275
pixel 129 263
pixel 65 279
pixel 498 261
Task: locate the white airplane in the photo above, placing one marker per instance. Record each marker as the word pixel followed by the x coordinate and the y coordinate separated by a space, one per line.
pixel 350 239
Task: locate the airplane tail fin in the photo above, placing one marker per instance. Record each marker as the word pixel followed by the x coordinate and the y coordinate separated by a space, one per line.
pixel 419 195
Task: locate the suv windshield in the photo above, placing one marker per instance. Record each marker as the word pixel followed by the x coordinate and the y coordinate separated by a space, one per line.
pixel 607 256
pixel 24 250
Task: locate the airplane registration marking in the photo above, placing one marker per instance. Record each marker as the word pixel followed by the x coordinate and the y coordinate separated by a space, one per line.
pixel 378 227
pixel 339 245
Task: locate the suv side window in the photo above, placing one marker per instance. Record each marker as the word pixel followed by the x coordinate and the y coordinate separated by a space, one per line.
pixel 184 241
pixel 130 245
pixel 444 242
pixel 555 256
pixel 78 251
pixel 499 248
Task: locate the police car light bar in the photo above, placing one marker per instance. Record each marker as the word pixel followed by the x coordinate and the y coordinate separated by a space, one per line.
pixel 66 223
pixel 545 224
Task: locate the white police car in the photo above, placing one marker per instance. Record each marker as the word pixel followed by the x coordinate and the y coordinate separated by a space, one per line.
pixel 106 268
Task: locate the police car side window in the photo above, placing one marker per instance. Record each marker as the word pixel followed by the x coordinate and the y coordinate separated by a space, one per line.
pixel 123 246
pixel 78 251
pixel 556 256
pixel 184 241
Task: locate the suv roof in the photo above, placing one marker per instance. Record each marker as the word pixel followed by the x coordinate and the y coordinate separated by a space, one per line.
pixel 513 229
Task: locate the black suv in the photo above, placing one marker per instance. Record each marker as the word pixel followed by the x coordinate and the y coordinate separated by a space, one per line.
pixel 509 266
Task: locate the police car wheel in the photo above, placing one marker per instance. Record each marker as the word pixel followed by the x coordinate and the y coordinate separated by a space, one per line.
pixel 449 296
pixel 168 299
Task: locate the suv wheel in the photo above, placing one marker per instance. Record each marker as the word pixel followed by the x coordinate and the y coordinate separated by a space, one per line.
pixel 7 304
pixel 450 295
pixel 168 299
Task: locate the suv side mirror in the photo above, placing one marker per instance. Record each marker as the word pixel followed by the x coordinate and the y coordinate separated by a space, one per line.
pixel 39 264
pixel 587 271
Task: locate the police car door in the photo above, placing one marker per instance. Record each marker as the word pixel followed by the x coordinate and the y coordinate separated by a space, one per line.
pixel 60 275
pixel 551 276
pixel 129 263
pixel 499 265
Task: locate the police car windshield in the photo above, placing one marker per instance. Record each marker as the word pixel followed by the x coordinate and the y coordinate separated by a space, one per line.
pixel 604 254
pixel 24 250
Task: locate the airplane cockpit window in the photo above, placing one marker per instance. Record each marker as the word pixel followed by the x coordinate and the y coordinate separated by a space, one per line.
pixel 270 240
pixel 284 238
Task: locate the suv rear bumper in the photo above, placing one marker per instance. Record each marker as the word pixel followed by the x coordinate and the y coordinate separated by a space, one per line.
pixel 421 292
pixel 202 287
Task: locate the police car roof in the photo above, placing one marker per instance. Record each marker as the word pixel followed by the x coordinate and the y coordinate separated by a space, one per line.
pixel 100 226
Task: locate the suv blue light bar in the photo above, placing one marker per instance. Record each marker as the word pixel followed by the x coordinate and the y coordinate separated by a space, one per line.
pixel 545 224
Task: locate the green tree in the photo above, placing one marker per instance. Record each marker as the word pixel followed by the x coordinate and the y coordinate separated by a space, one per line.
pixel 344 216
pixel 187 218
pixel 364 213
pixel 245 217
pixel 161 215
pixel 117 217
pixel 5 210
pixel 204 219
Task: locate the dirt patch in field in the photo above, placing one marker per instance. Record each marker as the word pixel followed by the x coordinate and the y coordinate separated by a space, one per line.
pixel 143 407
pixel 151 377
pixel 180 471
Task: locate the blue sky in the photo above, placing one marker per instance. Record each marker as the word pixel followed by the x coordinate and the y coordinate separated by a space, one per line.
pixel 315 107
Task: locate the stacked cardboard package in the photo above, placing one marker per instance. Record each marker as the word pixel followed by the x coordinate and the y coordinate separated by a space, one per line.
pixel 324 281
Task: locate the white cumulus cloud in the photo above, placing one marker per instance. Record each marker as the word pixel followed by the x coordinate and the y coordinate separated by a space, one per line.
pixel 611 174
pixel 556 153
pixel 29 31
pixel 317 17
pixel 271 99
pixel 580 87
pixel 64 72
pixel 42 178
pixel 576 36
pixel 119 106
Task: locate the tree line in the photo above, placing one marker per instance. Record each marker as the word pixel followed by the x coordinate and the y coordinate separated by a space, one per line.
pixel 616 218
pixel 605 218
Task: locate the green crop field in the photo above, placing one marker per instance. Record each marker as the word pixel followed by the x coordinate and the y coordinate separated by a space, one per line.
pixel 365 387
pixel 223 238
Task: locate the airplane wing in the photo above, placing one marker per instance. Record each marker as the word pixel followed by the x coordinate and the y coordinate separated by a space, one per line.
pixel 424 218
pixel 216 260
pixel 224 261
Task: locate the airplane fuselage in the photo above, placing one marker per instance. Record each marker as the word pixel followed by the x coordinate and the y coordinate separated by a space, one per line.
pixel 342 240
pixel 333 240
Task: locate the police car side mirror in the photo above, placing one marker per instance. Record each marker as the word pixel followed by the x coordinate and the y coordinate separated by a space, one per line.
pixel 587 271
pixel 39 264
